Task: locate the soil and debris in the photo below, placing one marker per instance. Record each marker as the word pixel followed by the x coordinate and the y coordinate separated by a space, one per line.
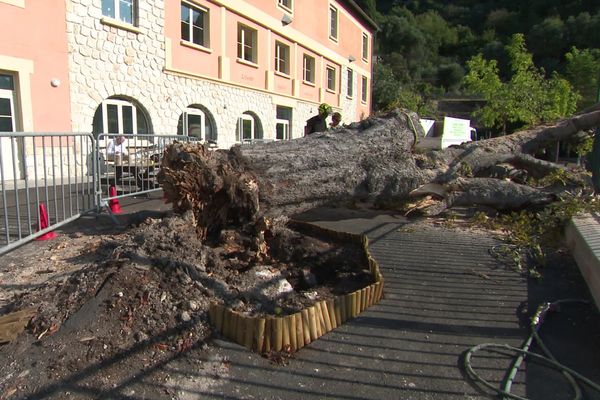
pixel 136 299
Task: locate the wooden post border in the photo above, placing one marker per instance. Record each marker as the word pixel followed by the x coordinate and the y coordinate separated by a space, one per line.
pixel 299 329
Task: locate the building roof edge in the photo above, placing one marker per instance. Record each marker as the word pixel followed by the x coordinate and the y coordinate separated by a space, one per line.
pixel 361 13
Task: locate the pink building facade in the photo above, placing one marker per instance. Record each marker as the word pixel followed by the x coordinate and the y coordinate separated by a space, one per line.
pixel 34 67
pixel 226 71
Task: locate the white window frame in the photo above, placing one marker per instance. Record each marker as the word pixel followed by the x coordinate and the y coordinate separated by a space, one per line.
pixel 205 22
pixel 334 22
pixel 13 152
pixel 282 58
pixel 194 111
pixel 350 83
pixel 308 71
pixel 287 5
pixel 117 16
pixel 120 104
pixel 286 128
pixel 10 95
pixel 365 89
pixel 247 44
pixel 365 47
pixel 329 69
pixel 246 117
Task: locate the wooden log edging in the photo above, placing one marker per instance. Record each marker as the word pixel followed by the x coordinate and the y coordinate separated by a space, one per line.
pixel 292 332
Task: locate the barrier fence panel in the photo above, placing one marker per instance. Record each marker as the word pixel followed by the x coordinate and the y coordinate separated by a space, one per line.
pixel 46 181
pixel 127 165
pixel 50 179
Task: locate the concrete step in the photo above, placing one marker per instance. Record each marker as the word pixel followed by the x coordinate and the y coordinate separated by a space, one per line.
pixel 583 240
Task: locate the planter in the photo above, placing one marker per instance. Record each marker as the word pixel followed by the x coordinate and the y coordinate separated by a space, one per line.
pixel 294 331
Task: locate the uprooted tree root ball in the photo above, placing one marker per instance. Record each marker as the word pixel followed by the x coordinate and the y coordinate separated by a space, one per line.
pixel 288 272
pixel 160 274
pixel 213 185
pixel 145 297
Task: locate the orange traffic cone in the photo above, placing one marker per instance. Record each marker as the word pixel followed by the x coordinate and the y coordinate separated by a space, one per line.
pixel 114 205
pixel 43 224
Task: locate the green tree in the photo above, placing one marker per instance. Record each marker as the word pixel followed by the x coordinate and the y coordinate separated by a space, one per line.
pixel 583 30
pixel 548 38
pixel 582 70
pixel 527 98
pixel 560 98
pixel 483 79
pixel 388 93
pixel 386 87
pixel 502 21
pixel 449 76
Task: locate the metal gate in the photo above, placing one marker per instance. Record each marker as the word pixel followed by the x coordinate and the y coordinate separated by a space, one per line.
pixel 127 164
pixel 50 179
pixel 46 180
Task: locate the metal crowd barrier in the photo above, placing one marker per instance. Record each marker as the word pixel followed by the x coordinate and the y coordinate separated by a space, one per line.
pixel 46 181
pixel 50 179
pixel 127 165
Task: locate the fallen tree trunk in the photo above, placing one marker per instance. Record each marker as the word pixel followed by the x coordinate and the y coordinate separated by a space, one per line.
pixel 372 160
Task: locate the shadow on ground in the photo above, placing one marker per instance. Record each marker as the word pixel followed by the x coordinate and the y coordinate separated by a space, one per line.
pixel 444 293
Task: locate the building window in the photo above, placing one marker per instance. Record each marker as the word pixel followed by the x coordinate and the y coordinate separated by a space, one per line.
pixel 282 58
pixel 193 123
pixel 194 25
pixel 248 128
pixel 285 4
pixel 197 122
pixel 247 43
pixel 7 103
pixel 331 79
pixel 365 89
pixel 365 47
pixel 350 91
pixel 121 10
pixel 119 116
pixel 283 122
pixel 333 23
pixel 308 69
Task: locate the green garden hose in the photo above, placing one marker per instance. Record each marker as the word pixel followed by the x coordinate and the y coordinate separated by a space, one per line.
pixel 536 322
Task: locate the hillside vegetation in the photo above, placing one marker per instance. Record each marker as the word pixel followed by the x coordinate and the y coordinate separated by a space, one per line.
pixel 431 49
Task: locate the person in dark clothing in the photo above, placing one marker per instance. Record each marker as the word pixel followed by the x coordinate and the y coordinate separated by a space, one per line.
pixel 318 123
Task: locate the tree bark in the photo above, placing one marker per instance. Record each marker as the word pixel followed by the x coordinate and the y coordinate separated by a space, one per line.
pixel 372 160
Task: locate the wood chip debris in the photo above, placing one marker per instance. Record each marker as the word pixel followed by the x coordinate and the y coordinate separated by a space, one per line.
pixel 11 325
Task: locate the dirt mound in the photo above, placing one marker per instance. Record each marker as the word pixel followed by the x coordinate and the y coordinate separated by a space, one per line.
pixel 144 298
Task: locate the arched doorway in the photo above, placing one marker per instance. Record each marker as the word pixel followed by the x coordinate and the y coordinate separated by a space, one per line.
pixel 198 122
pixel 249 128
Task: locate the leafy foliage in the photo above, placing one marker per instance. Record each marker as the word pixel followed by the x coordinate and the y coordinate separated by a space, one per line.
pixel 530 234
pixel 428 45
pixel 389 94
pixel 527 98
pixel 582 70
